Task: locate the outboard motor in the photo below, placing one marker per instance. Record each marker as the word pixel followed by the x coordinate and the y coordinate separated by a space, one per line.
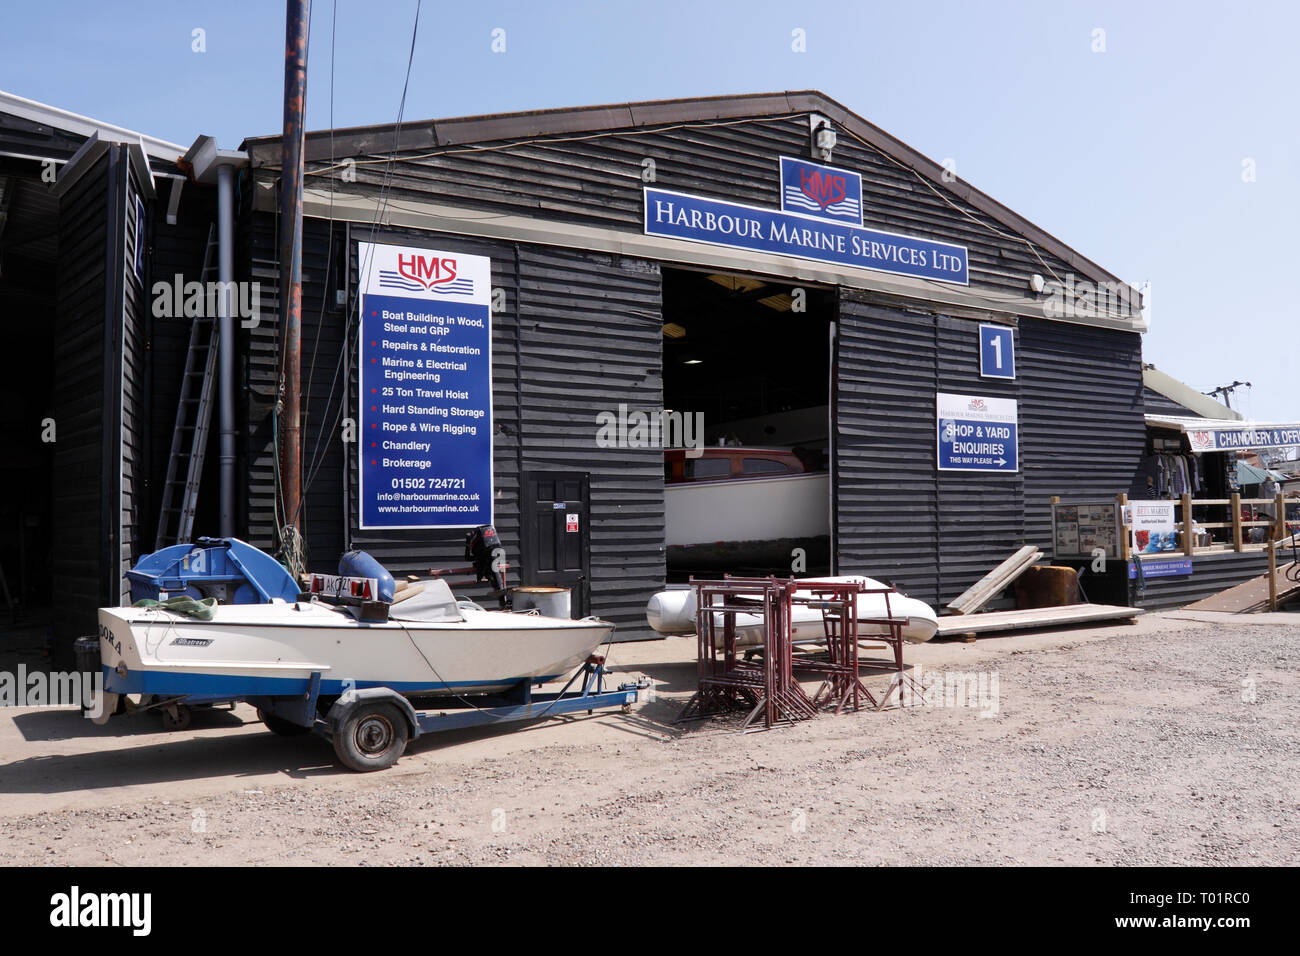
pixel 483 548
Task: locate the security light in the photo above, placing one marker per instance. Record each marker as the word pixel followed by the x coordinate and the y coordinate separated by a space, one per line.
pixel 823 137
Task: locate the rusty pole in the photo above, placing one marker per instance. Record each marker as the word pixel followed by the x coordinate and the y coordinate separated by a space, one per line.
pixel 297 18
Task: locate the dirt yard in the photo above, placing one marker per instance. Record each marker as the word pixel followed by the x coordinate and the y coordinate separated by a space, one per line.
pixel 1168 741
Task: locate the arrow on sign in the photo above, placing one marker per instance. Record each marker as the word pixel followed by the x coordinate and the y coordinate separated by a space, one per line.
pixel 1002 461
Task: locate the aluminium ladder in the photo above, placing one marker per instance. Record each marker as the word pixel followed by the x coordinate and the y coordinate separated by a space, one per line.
pixel 193 417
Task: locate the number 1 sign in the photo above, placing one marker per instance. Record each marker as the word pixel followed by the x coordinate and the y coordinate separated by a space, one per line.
pixel 997 352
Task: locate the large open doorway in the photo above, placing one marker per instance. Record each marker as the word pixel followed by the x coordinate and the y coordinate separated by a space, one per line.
pixel 29 227
pixel 751 356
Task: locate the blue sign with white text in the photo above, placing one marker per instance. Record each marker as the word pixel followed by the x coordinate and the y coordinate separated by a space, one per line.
pixel 1167 568
pixel 722 223
pixel 425 357
pixel 997 352
pixel 977 433
pixel 823 191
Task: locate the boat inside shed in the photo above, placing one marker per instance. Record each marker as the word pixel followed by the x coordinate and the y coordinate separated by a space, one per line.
pixel 749 358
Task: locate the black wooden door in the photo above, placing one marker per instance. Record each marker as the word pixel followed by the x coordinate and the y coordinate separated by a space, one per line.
pixel 555 540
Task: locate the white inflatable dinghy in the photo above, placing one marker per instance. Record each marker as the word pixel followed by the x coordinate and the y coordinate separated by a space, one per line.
pixel 673 612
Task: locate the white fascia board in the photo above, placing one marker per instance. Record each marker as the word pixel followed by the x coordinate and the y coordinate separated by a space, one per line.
pixel 85 126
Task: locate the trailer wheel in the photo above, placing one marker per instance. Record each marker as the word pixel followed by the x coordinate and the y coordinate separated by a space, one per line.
pixel 281 727
pixel 372 737
pixel 176 716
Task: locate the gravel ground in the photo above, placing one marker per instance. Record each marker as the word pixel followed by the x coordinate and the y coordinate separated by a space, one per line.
pixel 1173 743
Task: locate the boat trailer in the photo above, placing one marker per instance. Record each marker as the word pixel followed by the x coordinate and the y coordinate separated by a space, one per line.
pixel 371 726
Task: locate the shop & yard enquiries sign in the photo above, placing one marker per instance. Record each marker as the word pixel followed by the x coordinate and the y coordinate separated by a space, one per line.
pixel 977 433
pixel 425 378
pixel 819 219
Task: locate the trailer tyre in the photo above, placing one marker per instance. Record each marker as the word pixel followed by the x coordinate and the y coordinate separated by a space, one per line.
pixel 372 737
pixel 281 727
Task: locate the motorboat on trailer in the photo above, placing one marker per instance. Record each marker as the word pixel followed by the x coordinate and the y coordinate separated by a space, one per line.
pixel 439 647
pixel 348 656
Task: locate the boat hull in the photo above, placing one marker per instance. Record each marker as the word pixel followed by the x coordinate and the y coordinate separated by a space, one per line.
pixel 272 650
pixel 753 509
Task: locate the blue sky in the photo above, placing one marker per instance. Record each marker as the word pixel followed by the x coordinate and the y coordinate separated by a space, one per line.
pixel 1133 156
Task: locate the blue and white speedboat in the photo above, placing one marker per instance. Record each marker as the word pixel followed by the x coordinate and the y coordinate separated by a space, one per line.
pixel 431 645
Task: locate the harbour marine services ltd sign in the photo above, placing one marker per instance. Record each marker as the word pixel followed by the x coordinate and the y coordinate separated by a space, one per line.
pixel 820 219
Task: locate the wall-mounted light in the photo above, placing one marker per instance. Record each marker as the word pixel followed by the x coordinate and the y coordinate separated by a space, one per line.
pixel 1037 283
pixel 692 361
pixel 823 137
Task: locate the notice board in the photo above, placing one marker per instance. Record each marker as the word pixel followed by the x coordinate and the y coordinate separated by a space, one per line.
pixel 1079 529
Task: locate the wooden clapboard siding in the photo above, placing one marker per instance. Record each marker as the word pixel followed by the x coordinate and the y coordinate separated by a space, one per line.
pixel 1211 573
pixel 597 181
pixel 177 251
pixel 981 515
pixel 1082 430
pixel 887 517
pixel 568 303
pixel 133 495
pixel 1157 404
pixel 83 388
pixel 588 329
pixel 100 355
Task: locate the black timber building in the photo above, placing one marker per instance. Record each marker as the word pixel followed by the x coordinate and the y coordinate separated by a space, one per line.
pixel 555 199
pixel 583 296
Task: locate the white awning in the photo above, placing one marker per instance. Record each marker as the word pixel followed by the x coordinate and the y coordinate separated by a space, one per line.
pixel 1226 434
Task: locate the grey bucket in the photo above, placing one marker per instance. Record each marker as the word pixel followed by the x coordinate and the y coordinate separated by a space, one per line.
pixel 547 601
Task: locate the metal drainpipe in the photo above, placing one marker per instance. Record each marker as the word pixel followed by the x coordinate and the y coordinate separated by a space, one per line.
pixel 226 342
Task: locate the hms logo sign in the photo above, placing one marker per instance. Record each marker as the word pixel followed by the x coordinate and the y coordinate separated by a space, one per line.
pixel 823 191
pixel 418 272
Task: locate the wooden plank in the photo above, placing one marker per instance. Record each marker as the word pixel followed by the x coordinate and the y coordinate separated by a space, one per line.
pixel 1253 595
pixel 982 591
pixel 1005 568
pixel 994 587
pixel 1236 522
pixel 1048 617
